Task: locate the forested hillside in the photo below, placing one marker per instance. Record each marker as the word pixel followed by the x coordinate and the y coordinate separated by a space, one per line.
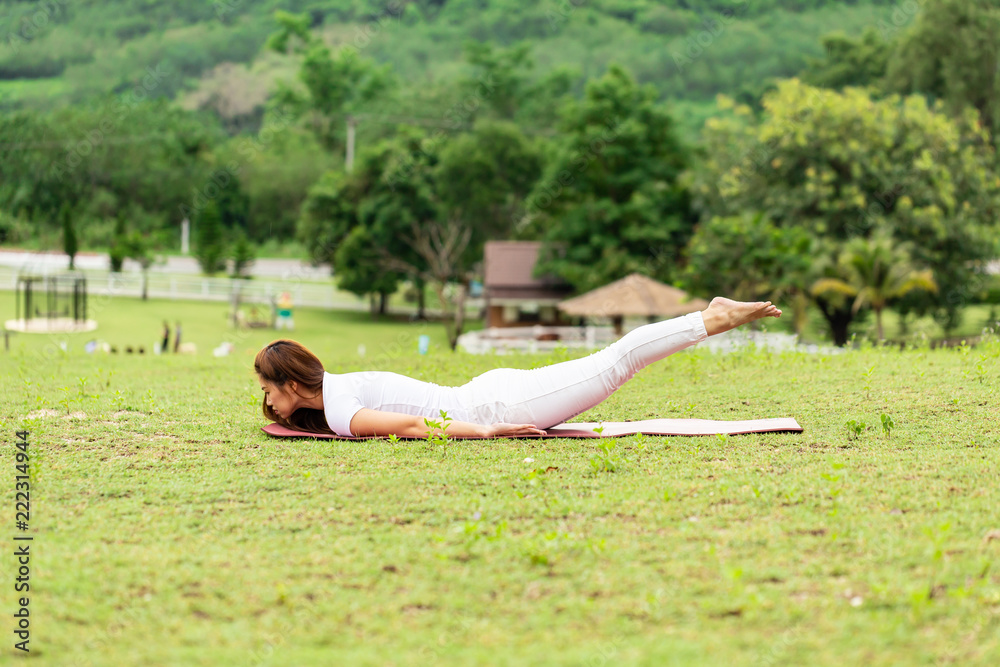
pixel 56 51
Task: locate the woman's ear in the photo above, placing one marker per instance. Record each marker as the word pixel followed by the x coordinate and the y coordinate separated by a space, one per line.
pixel 293 386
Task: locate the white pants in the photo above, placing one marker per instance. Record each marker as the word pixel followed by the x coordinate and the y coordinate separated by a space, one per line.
pixel 553 394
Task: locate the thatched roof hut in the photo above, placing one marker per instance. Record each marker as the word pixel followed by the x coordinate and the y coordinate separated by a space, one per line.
pixel 634 295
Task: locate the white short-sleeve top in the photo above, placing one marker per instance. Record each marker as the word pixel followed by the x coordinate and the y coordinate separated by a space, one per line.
pixel 346 393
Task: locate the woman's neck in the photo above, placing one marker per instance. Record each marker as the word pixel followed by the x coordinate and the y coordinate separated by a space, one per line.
pixel 316 402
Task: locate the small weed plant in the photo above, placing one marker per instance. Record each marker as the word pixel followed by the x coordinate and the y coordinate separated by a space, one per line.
pixel 437 430
pixel 887 425
pixel 607 458
pixel 867 377
pixel 855 428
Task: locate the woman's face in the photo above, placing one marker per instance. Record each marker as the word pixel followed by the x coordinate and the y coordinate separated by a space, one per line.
pixel 283 400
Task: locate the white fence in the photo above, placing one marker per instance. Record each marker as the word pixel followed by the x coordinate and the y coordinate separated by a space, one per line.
pixel 304 293
pixel 187 287
pixel 538 338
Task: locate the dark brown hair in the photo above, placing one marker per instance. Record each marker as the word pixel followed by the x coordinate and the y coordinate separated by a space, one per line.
pixel 284 360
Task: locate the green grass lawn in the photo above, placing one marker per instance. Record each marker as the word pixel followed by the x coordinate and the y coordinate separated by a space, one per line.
pixel 333 335
pixel 170 530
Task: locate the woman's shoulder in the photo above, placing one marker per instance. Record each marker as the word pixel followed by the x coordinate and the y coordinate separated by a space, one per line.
pixel 356 378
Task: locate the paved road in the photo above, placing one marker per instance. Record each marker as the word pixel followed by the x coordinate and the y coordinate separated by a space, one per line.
pixel 48 262
pixel 264 268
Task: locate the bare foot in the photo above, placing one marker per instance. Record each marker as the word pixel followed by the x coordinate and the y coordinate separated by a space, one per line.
pixel 724 314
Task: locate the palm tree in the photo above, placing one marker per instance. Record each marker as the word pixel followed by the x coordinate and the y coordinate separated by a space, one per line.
pixel 836 307
pixel 878 270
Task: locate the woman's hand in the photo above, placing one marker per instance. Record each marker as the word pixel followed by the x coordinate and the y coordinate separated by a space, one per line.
pixel 501 429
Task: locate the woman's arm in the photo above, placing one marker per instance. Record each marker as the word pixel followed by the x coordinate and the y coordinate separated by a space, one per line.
pixel 367 422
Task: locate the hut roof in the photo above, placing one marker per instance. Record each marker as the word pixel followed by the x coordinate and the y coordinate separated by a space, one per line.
pixel 633 295
pixel 509 268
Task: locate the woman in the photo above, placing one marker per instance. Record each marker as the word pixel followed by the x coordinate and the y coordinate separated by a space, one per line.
pixel 300 394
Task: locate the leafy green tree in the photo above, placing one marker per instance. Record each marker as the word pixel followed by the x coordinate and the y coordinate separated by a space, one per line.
pixel 101 157
pixel 503 84
pixel 276 176
pixel 611 202
pixel 483 178
pixel 952 53
pixel 145 155
pixel 332 229
pixel 501 81
pixel 748 258
pixel 209 239
pixel 32 186
pixel 421 208
pixel 842 165
pixel 234 206
pixel 879 271
pixel 835 307
pixel 242 254
pixel 666 20
pixel 70 245
pixel 329 213
pixel 410 226
pixel 140 248
pixel 357 273
pixel 331 85
pixel 850 62
pixel 119 245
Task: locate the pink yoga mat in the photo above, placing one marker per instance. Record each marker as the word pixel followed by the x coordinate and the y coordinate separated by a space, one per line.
pixel 611 429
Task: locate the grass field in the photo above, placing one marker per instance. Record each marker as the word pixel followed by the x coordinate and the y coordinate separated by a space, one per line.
pixel 169 530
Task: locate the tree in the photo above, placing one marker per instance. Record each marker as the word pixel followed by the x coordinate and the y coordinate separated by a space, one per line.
pixel 501 83
pixel 242 254
pixel 277 179
pixel 33 184
pixel 331 228
pixel 501 86
pixel 836 308
pixel 331 85
pixel 879 271
pixel 113 154
pixel 70 245
pixel 141 250
pixel 850 62
pixel 209 247
pixel 951 53
pixel 421 208
pixel 451 199
pixel 611 203
pixel 483 178
pixel 749 258
pixel 413 230
pixel 234 206
pixel 119 245
pixel 842 165
pixel 357 273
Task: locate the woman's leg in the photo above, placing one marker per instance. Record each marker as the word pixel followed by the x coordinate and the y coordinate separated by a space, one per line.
pixel 550 395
